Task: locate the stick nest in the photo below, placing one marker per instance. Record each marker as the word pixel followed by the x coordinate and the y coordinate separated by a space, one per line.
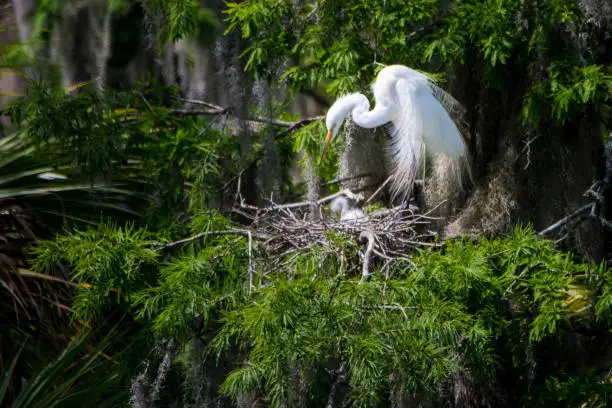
pixel 389 234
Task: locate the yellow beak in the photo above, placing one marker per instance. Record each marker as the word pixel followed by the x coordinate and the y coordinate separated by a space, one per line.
pixel 328 139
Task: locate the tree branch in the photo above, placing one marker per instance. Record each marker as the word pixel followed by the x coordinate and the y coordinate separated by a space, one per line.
pixel 342 179
pixel 234 231
pixel 251 271
pixel 566 219
pixel 365 271
pixel 219 110
pixel 347 193
pixel 296 125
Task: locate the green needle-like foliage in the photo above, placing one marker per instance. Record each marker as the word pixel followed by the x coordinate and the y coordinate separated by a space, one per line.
pixel 455 310
pixel 499 321
pixel 478 307
pixel 338 45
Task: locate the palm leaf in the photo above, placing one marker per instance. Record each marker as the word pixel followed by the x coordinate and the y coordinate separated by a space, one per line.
pixel 23 181
pixel 74 378
pixel 33 207
pixel 8 374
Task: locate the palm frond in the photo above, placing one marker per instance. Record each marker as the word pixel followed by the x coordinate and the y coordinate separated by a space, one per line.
pixel 80 375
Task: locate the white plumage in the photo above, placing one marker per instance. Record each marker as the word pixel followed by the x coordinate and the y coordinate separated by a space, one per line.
pixel 419 112
pixel 51 176
pixel 347 212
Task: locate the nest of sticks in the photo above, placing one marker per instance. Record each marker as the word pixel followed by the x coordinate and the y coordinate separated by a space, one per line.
pixel 387 235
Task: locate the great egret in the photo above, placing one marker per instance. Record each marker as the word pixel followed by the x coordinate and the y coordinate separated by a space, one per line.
pixel 421 124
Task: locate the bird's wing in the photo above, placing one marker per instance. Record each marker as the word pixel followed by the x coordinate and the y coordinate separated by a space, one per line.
pixel 406 143
pixel 452 105
pixel 424 125
pixel 430 118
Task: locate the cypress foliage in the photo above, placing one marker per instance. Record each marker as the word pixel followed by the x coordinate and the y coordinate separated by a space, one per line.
pixel 214 316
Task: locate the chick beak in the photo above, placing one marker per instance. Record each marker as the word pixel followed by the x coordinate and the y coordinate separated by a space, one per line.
pixel 328 139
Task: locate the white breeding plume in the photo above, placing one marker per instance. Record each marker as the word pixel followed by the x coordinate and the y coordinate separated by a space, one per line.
pixel 421 123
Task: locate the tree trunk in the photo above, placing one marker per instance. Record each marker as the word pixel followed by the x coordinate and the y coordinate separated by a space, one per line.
pixel 524 174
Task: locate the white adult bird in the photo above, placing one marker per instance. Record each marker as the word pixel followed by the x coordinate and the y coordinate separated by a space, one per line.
pixel 418 112
pixel 347 212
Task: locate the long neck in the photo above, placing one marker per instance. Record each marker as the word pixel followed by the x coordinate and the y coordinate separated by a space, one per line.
pixel 359 107
pixel 364 117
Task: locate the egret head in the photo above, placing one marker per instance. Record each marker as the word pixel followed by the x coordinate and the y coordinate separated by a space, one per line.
pixel 349 104
pixel 333 121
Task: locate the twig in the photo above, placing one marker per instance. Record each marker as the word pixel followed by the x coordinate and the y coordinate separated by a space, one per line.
pixel 593 208
pixel 347 193
pixel 365 271
pixel 386 269
pixel 197 112
pixel 203 103
pixel 527 150
pixel 219 110
pixel 202 234
pixel 379 189
pixel 32 274
pixel 593 192
pixel 341 179
pixel 566 219
pixel 393 307
pixel 214 109
pixel 297 125
pixel 383 256
pixel 416 32
pixel 145 100
pixel 250 235
pixel 238 187
pixel 271 121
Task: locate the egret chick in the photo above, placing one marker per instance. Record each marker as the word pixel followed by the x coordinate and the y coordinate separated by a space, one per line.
pixel 347 212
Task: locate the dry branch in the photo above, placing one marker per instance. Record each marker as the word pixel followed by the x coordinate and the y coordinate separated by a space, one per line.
pixel 220 110
pixel 591 210
pixel 233 231
pixel 365 272
pixel 576 214
pixel 251 270
pixel 390 234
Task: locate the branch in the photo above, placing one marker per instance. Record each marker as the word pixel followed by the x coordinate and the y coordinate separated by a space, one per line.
pixel 566 219
pixel 251 271
pixel 203 103
pixel 198 112
pixel 365 272
pixel 342 179
pixel 527 150
pixel 379 189
pixel 219 110
pixel 296 125
pixel 234 231
pixel 347 193
pixel 594 209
